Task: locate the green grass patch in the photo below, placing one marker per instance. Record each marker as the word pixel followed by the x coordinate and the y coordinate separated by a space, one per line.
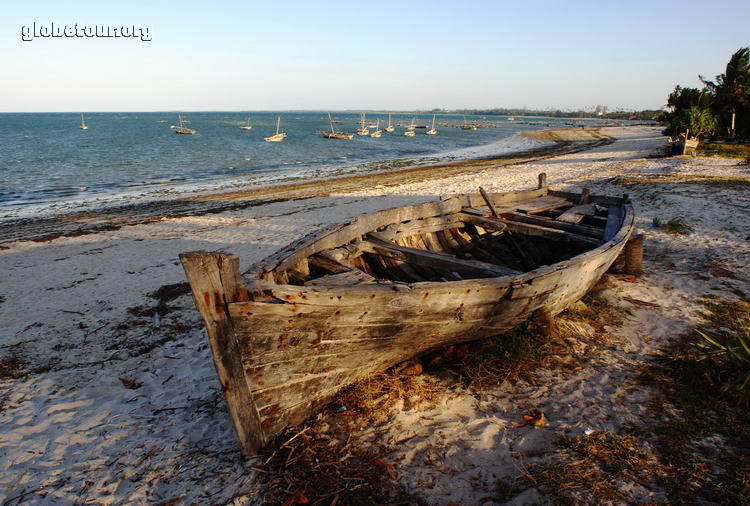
pixel 741 151
pixel 699 418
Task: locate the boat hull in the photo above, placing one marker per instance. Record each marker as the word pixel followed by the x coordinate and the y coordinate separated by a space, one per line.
pixel 282 351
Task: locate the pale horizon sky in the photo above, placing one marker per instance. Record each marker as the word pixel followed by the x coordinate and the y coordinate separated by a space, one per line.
pixel 245 55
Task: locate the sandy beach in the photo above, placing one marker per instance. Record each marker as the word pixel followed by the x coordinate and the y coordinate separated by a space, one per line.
pixel 108 392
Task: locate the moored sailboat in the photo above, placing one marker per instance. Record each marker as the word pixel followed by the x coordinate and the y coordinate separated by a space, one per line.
pixel 377 133
pixel 362 127
pixel 83 124
pixel 432 131
pixel 390 127
pixel 335 133
pixel 279 136
pixel 182 129
pixel 247 125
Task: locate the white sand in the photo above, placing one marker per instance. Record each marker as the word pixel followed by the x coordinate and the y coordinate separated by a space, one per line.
pixel 72 432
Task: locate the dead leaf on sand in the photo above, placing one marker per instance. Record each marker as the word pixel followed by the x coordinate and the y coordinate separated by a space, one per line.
pixel 534 418
pixel 387 467
pixel 297 498
pixel 129 383
pixel 410 368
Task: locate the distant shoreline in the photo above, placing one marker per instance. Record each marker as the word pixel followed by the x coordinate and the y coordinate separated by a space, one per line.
pixel 113 217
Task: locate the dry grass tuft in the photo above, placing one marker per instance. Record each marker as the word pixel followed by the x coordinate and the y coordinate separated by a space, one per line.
pixel 373 397
pixel 722 182
pixel 309 464
pixel 12 367
pixel 592 468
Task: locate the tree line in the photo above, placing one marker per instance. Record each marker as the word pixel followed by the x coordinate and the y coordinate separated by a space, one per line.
pixel 720 109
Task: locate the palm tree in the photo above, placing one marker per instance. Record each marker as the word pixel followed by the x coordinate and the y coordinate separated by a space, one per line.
pixel 732 88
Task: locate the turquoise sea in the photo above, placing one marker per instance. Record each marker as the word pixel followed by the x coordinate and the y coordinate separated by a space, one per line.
pixel 47 162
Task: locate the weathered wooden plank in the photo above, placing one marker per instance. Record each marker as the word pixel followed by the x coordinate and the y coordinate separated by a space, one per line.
pixel 576 213
pixel 488 202
pixel 576 228
pixel 353 277
pixel 344 234
pixel 614 222
pixel 542 204
pixel 603 200
pixel 215 282
pixel 552 233
pixel 327 264
pixel 499 199
pixel 486 222
pixel 432 259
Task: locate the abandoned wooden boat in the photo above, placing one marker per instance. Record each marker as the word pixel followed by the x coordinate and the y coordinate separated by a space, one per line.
pixel 355 299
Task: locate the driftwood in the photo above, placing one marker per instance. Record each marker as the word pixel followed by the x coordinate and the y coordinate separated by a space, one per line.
pixel 357 298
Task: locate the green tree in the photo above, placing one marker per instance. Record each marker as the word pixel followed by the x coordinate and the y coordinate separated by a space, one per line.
pixel 732 92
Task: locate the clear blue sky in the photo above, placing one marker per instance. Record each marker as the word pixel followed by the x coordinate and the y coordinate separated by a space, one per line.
pixel 249 55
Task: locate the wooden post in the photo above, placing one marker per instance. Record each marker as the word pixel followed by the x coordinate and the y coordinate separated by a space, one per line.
pixel 634 255
pixel 489 202
pixel 215 281
pixel 545 322
pixel 542 180
pixel 585 196
pixel 687 136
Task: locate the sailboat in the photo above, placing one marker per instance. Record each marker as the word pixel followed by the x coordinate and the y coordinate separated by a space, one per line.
pixel 389 128
pixel 412 126
pixel 278 137
pixel 83 124
pixel 432 130
pixel 468 126
pixel 247 126
pixel 362 128
pixel 377 133
pixel 334 133
pixel 182 129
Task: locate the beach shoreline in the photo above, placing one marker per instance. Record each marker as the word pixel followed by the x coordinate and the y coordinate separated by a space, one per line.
pixel 109 391
pixel 111 217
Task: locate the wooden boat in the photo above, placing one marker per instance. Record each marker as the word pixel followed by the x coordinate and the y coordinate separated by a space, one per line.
pixel 468 126
pixel 278 136
pixel 362 127
pixel 182 129
pixel 335 133
pixel 83 124
pixel 247 125
pixel 377 133
pixel 357 298
pixel 432 130
pixel 390 127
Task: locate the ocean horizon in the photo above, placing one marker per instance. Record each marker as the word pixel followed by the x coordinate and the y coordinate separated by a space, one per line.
pixel 50 165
